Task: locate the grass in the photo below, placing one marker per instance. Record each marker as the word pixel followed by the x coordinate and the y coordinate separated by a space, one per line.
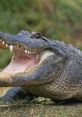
pixel 38 109
pixel 33 110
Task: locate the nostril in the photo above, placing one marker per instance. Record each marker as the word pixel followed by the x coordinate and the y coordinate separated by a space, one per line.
pixel 36 35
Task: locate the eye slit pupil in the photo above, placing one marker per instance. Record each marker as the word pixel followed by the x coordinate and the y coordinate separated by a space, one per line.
pixel 36 35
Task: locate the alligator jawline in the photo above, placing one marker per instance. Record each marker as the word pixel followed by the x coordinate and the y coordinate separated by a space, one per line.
pixel 22 60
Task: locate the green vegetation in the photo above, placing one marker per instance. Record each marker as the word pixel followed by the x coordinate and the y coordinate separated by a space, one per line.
pixel 36 108
pixel 40 110
pixel 54 18
pixel 57 19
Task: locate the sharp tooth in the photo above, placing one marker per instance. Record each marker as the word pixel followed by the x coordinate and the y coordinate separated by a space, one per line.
pixel 11 48
pixel 3 42
pixel 21 48
pixel 26 51
pixel 6 45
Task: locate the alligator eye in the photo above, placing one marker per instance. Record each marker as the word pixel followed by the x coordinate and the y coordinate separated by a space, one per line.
pixel 36 35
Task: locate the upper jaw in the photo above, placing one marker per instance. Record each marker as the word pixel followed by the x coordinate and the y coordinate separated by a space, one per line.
pixel 7 42
pixel 28 43
pixel 12 47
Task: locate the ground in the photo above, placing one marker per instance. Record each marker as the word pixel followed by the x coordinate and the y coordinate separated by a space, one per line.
pixel 40 108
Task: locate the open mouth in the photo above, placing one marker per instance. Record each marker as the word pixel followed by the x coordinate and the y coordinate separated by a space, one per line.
pixel 22 60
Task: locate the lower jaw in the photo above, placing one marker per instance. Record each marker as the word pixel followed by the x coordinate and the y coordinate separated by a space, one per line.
pixel 19 64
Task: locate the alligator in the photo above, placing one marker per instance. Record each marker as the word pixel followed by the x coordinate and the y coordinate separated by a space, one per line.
pixel 46 68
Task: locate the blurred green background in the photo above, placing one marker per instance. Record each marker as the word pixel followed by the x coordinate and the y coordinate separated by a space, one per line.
pixel 55 19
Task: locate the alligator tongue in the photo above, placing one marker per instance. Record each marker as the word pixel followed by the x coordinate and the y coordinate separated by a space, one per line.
pixel 20 62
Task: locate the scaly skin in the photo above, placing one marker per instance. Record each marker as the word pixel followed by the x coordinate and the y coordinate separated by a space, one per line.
pixel 57 77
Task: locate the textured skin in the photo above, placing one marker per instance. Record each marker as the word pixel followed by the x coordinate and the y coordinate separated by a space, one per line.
pixel 14 93
pixel 58 77
pixel 10 94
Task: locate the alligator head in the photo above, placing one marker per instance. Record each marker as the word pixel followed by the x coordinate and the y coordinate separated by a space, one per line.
pixel 35 59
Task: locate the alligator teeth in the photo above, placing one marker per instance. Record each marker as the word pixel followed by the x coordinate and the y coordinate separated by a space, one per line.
pixel 3 42
pixel 26 51
pixel 11 48
pixel 6 45
pixel 21 48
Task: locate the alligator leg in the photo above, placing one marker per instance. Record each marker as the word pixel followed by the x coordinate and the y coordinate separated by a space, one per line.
pixel 17 93
pixel 10 94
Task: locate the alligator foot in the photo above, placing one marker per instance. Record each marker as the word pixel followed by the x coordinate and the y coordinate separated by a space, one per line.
pixel 11 94
pixel 17 93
